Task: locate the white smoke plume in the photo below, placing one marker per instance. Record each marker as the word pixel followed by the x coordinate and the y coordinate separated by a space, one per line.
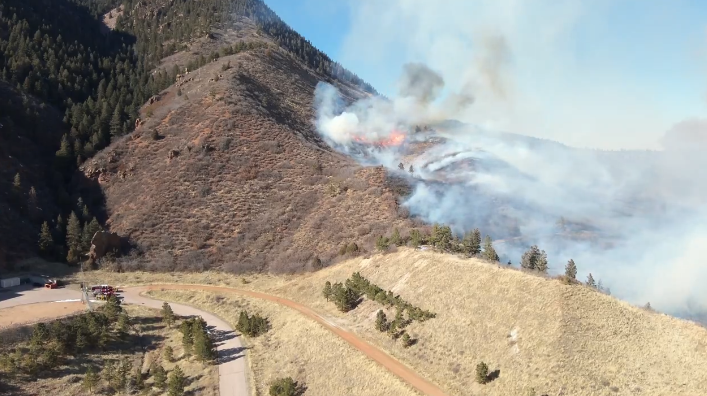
pixel 637 220
pixel 634 219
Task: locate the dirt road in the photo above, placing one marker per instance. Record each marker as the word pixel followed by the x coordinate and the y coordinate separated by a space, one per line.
pixel 385 360
pixel 37 312
pixel 232 364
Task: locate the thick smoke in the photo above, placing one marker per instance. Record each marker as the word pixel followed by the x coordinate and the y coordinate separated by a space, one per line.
pixel 634 219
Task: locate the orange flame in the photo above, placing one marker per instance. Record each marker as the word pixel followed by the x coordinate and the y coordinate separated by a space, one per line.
pixel 396 138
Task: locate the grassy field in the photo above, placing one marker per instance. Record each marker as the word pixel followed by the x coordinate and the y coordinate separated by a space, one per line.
pixel 144 347
pixel 296 347
pixel 538 332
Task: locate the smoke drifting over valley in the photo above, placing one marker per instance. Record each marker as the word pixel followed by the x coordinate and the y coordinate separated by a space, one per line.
pixel 634 219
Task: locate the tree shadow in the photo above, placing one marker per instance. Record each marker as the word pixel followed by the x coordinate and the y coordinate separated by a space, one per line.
pixel 492 376
pixel 230 354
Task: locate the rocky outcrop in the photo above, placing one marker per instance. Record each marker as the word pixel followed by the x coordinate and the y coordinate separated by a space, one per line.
pixel 102 243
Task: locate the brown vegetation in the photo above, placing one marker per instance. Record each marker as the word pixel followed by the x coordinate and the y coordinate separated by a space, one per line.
pixel 251 187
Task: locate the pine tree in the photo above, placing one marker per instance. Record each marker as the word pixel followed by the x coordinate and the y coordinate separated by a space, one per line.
pixel 472 242
pixel 203 346
pixel 541 264
pixel 482 373
pixel 167 314
pixel 109 372
pixel 411 170
pixel 17 184
pixel 46 242
pixel 382 243
pixel 73 233
pixel 116 122
pixel 87 235
pixel 123 322
pixel 32 202
pixel 395 239
pixel 123 373
pixel 489 251
pixel 590 281
pixel 168 354
pixel 176 382
pixel 571 271
pixel 159 375
pixel 90 380
pixel 327 290
pixel 415 238
pixel 381 321
pixel 401 166
pixel 139 378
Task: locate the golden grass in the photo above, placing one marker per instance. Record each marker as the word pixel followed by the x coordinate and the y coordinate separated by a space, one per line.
pixel 296 347
pixel 202 378
pixel 538 332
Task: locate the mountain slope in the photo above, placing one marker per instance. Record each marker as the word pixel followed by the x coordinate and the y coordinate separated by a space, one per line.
pixel 227 169
pixel 540 333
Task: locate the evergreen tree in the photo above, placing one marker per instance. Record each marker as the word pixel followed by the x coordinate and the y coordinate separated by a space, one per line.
pixel 123 322
pixel 46 242
pixel 168 354
pixel 590 281
pixel 415 238
pixel 395 239
pixel 90 380
pixel 177 381
pixel 73 233
pixel 167 314
pixel 327 290
pixel 381 321
pixel 411 170
pixel 112 308
pixel 541 264
pixel 489 251
pixel 89 230
pixel 571 271
pixel 203 346
pixel 382 243
pixel 160 376
pixel 109 372
pixel 401 166
pixel 139 378
pixel 123 374
pixel 17 184
pixel 116 123
pixel 482 373
pixel 472 242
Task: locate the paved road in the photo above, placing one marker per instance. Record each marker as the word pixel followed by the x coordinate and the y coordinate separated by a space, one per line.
pixel 232 362
pixel 385 360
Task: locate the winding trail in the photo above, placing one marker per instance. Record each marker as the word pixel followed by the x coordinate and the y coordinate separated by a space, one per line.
pixel 232 368
pixel 382 358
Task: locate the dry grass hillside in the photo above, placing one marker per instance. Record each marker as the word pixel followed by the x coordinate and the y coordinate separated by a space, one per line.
pixel 540 333
pixel 227 168
pixel 296 347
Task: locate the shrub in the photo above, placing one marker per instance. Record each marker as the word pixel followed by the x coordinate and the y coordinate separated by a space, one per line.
pixel 252 326
pixel 286 387
pixel 381 321
pixel 482 373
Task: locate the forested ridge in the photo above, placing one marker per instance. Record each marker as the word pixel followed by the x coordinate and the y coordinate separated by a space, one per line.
pixel 59 52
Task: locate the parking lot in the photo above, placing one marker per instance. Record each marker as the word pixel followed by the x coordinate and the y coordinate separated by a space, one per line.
pixel 27 304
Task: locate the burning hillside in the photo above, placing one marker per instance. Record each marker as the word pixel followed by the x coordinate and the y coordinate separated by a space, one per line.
pixel 517 188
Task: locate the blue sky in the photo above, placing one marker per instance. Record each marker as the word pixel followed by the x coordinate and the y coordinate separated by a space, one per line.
pixel 600 73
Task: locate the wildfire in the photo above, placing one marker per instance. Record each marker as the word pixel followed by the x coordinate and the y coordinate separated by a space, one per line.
pixel 396 138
